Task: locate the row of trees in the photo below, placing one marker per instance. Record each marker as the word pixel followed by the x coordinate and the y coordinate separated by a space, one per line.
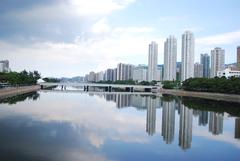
pixel 220 85
pixel 21 78
pixel 171 84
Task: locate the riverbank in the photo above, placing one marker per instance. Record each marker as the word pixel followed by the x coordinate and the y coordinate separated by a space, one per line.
pixel 13 91
pixel 206 95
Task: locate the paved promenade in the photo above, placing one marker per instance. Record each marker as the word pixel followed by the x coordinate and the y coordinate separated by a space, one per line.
pixel 12 91
pixel 207 95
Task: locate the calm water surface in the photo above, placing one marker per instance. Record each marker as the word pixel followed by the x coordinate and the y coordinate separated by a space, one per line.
pixel 59 126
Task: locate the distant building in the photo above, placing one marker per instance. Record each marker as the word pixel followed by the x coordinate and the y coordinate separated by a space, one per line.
pixel 187 56
pixel 140 73
pixel 99 76
pixel 4 66
pixel 205 61
pixel 238 57
pixel 178 72
pixel 170 58
pixel 124 71
pixel 160 70
pixel 217 61
pixel 115 74
pixel 228 73
pixel 91 77
pixel 109 74
pixel 152 61
pixel 86 78
pixel 198 70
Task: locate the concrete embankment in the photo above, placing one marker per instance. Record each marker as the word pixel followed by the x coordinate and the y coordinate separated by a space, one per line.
pixel 13 91
pixel 206 95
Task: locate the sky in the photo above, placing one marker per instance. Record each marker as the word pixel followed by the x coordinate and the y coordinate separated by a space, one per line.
pixel 66 38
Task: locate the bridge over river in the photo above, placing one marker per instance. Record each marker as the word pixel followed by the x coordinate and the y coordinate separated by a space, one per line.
pixel 108 87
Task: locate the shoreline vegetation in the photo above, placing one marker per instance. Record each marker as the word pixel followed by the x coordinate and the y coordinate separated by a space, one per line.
pixel 20 78
pixel 209 88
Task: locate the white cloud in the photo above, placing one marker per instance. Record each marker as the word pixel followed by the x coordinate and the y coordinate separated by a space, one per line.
pixel 96 7
pixel 133 30
pixel 220 39
pixel 127 45
pixel 101 26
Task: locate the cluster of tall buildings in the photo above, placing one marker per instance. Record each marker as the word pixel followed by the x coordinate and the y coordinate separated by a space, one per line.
pixel 209 66
pixel 122 72
pixel 4 66
pixel 214 121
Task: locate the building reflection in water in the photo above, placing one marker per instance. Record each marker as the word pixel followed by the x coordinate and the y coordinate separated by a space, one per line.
pixel 203 118
pixel 237 128
pixel 185 127
pixel 216 123
pixel 151 115
pixel 151 103
pixel 168 121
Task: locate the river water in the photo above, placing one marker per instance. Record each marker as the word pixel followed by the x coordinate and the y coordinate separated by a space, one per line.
pixel 76 126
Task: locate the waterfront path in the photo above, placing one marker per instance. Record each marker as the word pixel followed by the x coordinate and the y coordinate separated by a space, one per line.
pixel 12 91
pixel 206 95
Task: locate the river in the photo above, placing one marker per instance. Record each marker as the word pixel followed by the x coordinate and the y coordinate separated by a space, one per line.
pixel 72 126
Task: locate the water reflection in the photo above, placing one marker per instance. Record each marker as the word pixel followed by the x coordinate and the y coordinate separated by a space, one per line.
pixel 168 121
pixel 151 115
pixel 169 105
pixel 118 127
pixel 237 128
pixel 216 123
pixel 185 128
pixel 20 98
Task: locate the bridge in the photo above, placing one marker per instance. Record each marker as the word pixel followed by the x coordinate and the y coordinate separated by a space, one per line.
pixel 108 87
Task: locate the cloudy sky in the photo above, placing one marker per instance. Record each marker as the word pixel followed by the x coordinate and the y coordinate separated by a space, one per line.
pixel 72 37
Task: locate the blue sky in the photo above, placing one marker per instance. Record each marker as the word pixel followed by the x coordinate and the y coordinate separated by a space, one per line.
pixel 73 37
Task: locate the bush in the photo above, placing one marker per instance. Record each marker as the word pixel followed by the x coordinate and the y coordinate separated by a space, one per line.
pixel 171 84
pixel 220 85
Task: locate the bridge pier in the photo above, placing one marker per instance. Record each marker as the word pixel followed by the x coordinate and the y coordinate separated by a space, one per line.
pixel 86 88
pixel 147 90
pixel 132 89
pixel 109 88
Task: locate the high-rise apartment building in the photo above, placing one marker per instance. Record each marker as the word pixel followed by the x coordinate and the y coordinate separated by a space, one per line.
pixel 160 69
pixel 109 74
pixel 198 70
pixel 187 56
pixel 238 57
pixel 170 58
pixel 152 61
pixel 140 73
pixel 217 61
pixel 4 66
pixel 205 61
pixel 124 71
